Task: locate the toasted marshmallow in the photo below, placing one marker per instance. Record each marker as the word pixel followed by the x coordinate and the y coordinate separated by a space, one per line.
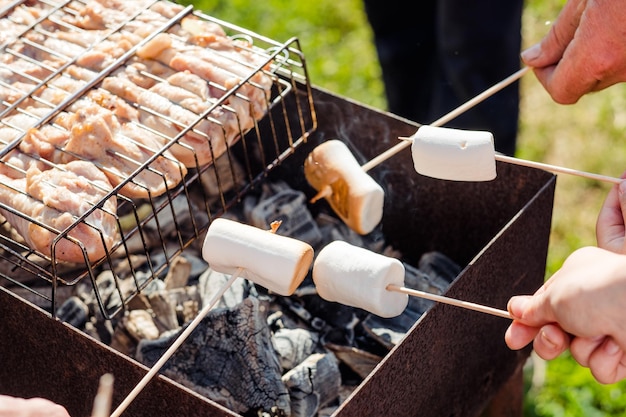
pixel 278 263
pixel 354 196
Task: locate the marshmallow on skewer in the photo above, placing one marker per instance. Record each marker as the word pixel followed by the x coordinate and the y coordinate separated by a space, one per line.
pixel 356 198
pixel 454 154
pixel 359 278
pixel 278 263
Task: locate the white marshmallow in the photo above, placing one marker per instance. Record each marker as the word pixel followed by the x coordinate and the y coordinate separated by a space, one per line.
pixel 357 277
pixel 453 154
pixel 356 198
pixel 278 263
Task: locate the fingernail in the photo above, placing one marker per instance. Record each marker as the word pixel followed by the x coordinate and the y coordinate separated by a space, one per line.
pixel 531 53
pixel 547 340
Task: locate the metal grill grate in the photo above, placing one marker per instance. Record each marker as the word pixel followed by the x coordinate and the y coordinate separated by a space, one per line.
pixel 101 94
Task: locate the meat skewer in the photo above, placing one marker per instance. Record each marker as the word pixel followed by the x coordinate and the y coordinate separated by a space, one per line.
pixel 277 262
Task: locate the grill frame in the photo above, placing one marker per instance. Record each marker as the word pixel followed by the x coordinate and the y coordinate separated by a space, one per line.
pixel 452 362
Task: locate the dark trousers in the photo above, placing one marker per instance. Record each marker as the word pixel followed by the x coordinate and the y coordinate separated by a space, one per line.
pixel 447 53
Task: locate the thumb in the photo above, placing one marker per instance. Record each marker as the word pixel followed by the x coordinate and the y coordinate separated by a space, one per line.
pixel 552 47
pixel 532 310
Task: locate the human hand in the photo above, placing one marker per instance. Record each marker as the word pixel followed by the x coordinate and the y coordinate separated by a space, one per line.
pixel 581 307
pixel 32 407
pixel 584 51
pixel 611 223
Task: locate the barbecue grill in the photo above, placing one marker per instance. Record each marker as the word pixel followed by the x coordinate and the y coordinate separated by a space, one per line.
pixel 452 362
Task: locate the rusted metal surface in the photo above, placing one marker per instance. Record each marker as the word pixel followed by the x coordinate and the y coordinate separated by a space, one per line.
pixel 451 363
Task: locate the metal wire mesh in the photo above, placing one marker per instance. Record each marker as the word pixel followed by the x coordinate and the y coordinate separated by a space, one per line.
pixel 96 93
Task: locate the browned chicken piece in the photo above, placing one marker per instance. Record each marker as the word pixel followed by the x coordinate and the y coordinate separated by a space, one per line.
pixel 52 201
pixel 106 52
pixel 250 101
pixel 167 8
pixel 102 14
pixel 15 164
pixel 197 147
pixel 191 82
pixel 97 135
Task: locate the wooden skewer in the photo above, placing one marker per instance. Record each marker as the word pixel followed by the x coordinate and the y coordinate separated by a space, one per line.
pixel 557 169
pixel 452 301
pixel 177 343
pixel 182 337
pixel 547 167
pixel 446 118
pixel 327 191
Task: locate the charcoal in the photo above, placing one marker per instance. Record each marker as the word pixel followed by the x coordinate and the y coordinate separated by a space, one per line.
pixel 294 345
pixel 281 203
pixel 211 283
pixel 358 360
pixel 74 311
pixel 140 325
pixel 229 358
pixel 313 384
pixel 178 274
pixel 440 268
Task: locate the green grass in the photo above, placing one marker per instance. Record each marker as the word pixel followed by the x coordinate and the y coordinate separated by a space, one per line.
pixel 588 136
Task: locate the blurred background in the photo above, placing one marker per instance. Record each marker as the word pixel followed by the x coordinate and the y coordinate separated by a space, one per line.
pixel 590 136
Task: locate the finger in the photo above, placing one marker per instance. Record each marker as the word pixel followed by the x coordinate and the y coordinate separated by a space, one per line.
pixel 519 335
pixel 581 348
pixel 610 226
pixel 608 362
pixel 552 47
pixel 533 310
pixel 551 341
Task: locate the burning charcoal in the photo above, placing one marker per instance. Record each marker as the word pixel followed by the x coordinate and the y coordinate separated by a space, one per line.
pixel 229 358
pixel 74 312
pixel 225 174
pixel 293 346
pixel 178 274
pixel 281 203
pixel 164 311
pixel 441 269
pixel 140 325
pixel 359 361
pixel 212 282
pixel 313 384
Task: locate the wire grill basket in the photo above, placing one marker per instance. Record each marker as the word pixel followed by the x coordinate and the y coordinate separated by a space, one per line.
pixel 125 128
